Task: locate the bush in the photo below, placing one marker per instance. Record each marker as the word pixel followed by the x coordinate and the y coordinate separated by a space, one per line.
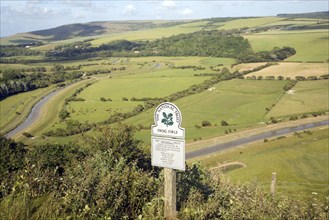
pixel 273 120
pixel 205 123
pixel 103 99
pixel 63 114
pixel 28 135
pixel 224 123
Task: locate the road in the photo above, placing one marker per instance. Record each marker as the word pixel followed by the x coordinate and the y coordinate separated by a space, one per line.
pixel 33 115
pixel 252 138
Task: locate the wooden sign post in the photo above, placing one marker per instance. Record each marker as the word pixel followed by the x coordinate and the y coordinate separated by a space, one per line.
pixel 168 150
pixel 170 193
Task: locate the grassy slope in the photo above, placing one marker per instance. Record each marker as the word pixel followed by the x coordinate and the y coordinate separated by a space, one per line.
pixel 250 22
pixel 310 45
pixel 292 70
pixel 301 163
pixel 241 103
pixel 152 34
pixel 308 96
pixel 154 84
pixel 21 103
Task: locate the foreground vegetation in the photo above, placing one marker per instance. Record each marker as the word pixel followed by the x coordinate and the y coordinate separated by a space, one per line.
pixel 110 176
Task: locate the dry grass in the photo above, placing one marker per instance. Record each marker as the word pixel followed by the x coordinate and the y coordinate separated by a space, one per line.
pixel 247 66
pixel 293 69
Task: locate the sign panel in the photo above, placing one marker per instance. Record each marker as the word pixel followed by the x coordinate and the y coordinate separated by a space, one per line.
pixel 168 152
pixel 168 137
pixel 167 120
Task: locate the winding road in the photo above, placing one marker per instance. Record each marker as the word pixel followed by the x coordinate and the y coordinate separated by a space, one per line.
pixel 33 115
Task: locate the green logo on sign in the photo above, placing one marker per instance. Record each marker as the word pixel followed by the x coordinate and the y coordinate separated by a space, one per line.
pixel 167 120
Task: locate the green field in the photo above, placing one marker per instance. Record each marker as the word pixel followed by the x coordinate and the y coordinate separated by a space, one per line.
pixel 310 45
pixel 301 163
pixel 151 34
pixel 250 22
pixel 241 103
pixel 14 109
pixel 305 97
pixel 154 85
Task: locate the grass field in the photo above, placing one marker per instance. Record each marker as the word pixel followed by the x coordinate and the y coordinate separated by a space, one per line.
pixel 249 22
pixel 154 84
pixel 310 45
pixel 294 22
pixel 301 163
pixel 241 103
pixel 292 70
pixel 247 66
pixel 151 34
pixel 307 96
pixel 14 109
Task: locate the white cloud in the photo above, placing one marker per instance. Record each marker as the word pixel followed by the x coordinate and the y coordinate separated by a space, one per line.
pixel 129 9
pixel 187 11
pixel 168 4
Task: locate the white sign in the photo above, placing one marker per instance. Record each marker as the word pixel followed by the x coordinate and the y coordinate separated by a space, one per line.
pixel 168 119
pixel 168 152
pixel 168 137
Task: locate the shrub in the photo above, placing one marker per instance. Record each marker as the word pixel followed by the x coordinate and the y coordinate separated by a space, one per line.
pixel 63 114
pixel 197 126
pixel 205 123
pixel 28 135
pixel 273 120
pixel 224 123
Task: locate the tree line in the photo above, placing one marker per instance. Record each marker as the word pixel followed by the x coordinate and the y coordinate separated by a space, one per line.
pixel 213 43
pixel 14 81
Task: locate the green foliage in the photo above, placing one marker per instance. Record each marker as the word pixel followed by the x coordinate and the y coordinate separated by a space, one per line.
pixel 205 123
pixel 289 85
pixel 107 176
pixel 193 179
pixel 224 123
pixel 202 43
pixel 16 81
pixel 28 135
pixel 11 157
pixel 63 114
pixel 276 54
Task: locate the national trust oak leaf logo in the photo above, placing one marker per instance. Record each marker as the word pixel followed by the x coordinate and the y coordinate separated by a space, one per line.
pixel 167 119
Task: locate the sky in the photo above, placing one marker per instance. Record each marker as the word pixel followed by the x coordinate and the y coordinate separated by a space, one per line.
pixel 18 16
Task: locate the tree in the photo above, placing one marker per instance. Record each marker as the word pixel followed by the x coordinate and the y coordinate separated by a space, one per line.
pixel 224 123
pixel 63 114
pixel 205 123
